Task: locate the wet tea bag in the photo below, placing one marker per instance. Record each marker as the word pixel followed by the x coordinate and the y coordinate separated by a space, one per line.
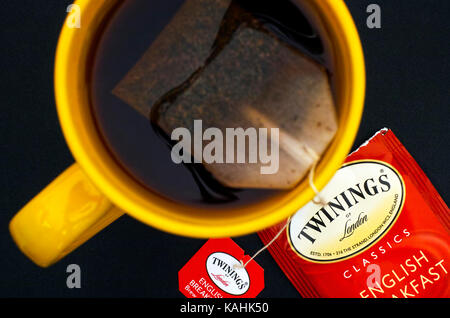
pixel 217 63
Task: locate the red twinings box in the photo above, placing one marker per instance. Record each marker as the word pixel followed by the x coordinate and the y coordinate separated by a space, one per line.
pixel 383 232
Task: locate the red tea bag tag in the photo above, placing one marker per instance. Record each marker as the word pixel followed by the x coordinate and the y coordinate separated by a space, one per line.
pixel 215 271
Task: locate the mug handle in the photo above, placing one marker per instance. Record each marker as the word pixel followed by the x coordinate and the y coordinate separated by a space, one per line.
pixel 64 215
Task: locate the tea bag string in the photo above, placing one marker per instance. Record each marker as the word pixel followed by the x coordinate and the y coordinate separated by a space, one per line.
pixel 320 201
pixel 293 148
pixel 241 263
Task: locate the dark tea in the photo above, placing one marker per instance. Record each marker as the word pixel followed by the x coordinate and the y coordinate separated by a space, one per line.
pixel 137 130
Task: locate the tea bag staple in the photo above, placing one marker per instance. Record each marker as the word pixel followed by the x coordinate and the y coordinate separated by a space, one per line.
pixel 210 64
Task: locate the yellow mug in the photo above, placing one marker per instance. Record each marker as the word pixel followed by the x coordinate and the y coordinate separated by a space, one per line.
pixel 95 190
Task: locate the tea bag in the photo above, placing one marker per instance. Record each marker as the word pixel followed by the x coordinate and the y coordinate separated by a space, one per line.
pixel 216 62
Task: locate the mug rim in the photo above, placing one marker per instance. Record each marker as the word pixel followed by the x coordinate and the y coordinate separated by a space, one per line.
pixel 162 215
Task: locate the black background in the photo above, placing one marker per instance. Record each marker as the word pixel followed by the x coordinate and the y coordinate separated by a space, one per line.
pixel 407 91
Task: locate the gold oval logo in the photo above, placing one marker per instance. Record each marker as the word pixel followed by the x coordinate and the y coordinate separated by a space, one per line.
pixel 364 198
